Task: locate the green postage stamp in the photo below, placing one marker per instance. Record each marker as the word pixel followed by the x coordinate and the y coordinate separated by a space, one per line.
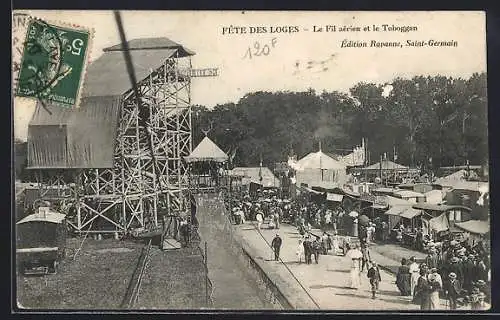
pixel 53 62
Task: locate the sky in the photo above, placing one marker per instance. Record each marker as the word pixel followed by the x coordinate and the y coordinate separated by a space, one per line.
pixel 289 54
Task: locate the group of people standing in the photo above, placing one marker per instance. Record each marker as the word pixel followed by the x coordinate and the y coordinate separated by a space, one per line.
pixel 309 247
pixel 458 277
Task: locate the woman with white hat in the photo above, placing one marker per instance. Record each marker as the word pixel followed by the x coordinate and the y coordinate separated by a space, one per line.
pixel 355 254
pixel 436 284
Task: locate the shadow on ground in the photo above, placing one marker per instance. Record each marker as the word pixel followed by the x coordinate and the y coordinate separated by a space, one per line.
pixel 397 301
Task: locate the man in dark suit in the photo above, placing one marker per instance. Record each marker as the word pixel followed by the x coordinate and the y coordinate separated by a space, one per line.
pixel 469 268
pixel 374 276
pixel 366 255
pixel 316 247
pixel 453 290
pixel 307 249
pixel 456 268
pixel 432 259
pixel 276 244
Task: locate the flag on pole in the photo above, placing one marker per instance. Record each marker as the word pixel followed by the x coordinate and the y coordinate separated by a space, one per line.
pixel 260 169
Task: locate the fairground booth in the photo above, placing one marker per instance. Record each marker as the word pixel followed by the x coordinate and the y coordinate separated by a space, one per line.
pixel 206 166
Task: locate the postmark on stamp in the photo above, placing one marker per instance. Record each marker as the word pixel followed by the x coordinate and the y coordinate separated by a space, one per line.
pixel 53 62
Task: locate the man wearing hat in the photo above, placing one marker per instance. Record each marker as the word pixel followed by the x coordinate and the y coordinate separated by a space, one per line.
pixel 474 298
pixel 484 288
pixel 276 244
pixel 307 249
pixel 468 270
pixel 260 219
pixel 374 276
pixel 316 246
pixel 432 258
pixel 453 290
pixel 456 268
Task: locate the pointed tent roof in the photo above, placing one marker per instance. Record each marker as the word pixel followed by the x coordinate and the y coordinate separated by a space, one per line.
pixel 207 150
pixel 386 165
pixel 319 160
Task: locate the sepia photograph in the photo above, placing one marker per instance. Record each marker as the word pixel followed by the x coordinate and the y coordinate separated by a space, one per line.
pixel 250 160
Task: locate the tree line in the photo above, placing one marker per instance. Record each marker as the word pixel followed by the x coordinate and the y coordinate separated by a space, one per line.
pixel 429 121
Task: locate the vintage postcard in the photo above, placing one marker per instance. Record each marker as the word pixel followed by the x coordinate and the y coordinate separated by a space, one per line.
pixel 222 160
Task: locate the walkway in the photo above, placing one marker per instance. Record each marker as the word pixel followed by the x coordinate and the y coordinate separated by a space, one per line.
pixel 325 282
pixel 234 287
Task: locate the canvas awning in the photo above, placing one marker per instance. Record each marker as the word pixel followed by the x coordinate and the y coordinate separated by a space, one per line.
pixel 474 226
pixel 396 210
pixel 410 213
pixel 439 223
pixel 408 194
pixel 334 197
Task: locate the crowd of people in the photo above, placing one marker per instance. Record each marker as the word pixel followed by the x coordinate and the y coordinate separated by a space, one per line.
pixel 452 270
pixel 457 272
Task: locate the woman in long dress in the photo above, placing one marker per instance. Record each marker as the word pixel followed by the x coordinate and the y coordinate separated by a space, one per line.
pixel 436 284
pixel 335 243
pixel 300 250
pixel 355 255
pixel 403 278
pixel 422 291
pixel 414 271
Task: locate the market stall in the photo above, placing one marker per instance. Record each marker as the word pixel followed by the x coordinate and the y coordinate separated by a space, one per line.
pixel 474 230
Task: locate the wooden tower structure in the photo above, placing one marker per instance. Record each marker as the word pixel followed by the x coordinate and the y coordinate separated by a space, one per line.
pixel 116 163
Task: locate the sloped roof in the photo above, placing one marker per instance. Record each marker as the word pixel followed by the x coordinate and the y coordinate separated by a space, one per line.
pixel 474 226
pixel 386 165
pixel 396 210
pixel 438 207
pixel 50 216
pixel 470 185
pixel 410 213
pixel 251 174
pixel 408 194
pixel 108 74
pixel 434 196
pixel 207 150
pixel 320 160
pixel 152 43
pixel 452 178
pixel 393 201
pixel 384 190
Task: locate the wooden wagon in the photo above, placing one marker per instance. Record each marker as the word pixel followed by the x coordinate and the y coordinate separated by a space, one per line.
pixel 41 242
